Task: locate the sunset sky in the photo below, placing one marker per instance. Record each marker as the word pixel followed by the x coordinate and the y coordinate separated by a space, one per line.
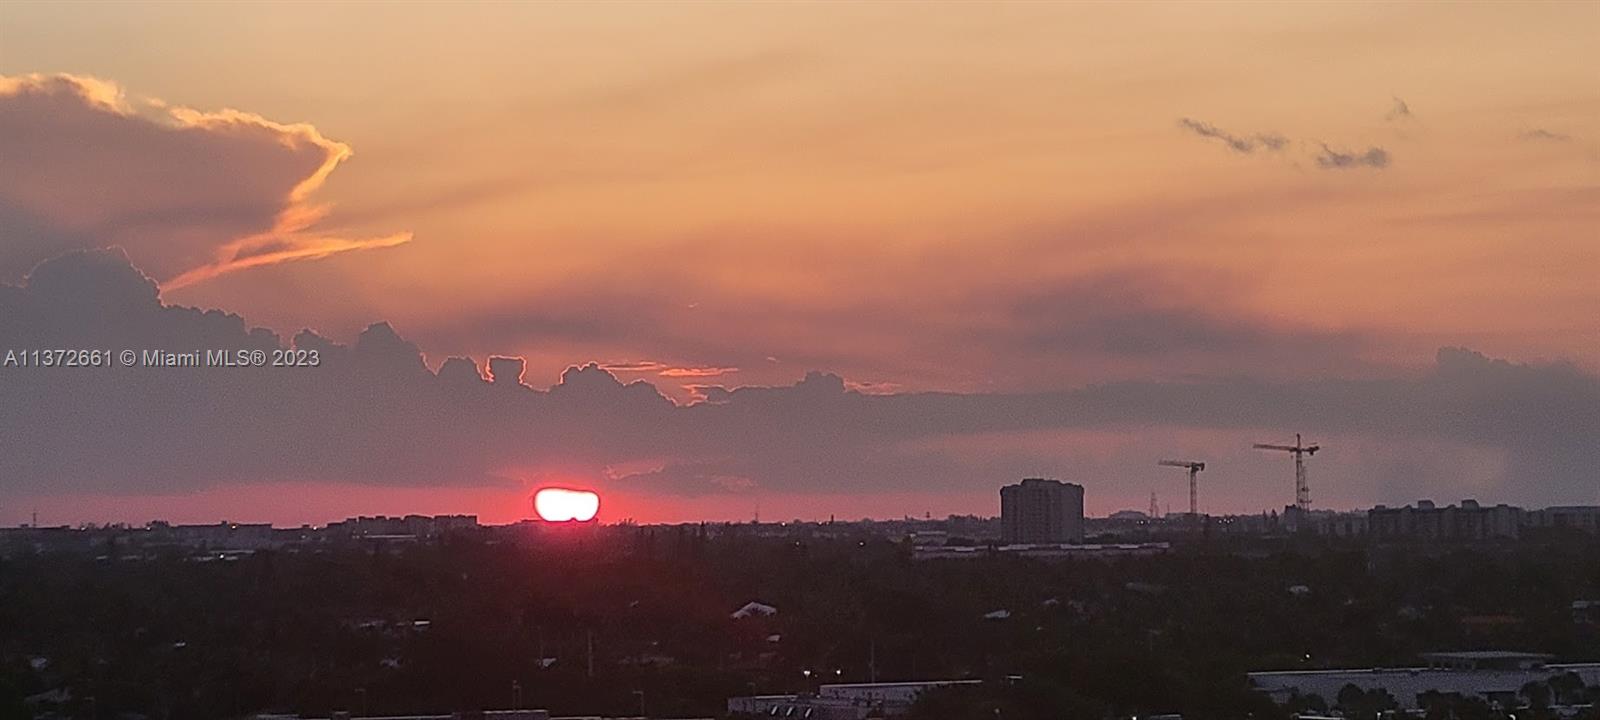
pixel 1005 239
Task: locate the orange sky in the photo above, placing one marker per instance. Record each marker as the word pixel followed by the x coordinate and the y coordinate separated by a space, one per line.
pixel 739 193
pixel 783 154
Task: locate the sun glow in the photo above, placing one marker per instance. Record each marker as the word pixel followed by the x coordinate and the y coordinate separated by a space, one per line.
pixel 564 505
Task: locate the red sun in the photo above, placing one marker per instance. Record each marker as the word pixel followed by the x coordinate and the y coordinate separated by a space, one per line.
pixel 562 505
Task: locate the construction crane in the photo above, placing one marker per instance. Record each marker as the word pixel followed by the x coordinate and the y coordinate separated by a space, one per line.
pixel 1194 492
pixel 1302 491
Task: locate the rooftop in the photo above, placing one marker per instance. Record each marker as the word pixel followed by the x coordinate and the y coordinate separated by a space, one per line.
pixel 1486 655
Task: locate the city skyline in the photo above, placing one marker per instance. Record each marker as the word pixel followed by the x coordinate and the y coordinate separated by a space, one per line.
pixel 818 260
pixel 1165 512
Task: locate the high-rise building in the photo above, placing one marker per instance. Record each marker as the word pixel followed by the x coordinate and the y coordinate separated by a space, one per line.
pixel 1037 510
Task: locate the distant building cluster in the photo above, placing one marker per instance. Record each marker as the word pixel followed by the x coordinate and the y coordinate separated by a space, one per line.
pixel 1425 521
pixel 412 525
pixel 1466 522
pixel 1039 518
pixel 229 540
pixel 1492 676
pixel 843 701
pixel 1052 551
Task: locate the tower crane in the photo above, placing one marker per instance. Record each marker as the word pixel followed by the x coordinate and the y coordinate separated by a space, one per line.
pixel 1302 490
pixel 1194 492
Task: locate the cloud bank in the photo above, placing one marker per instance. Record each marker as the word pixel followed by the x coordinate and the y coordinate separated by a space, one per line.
pixel 189 194
pixel 373 412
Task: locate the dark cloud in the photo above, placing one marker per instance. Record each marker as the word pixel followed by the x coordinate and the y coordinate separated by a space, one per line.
pixel 1244 144
pixel 1542 135
pixel 506 371
pixel 460 372
pixel 1398 111
pixel 187 194
pixel 1331 159
pixel 373 413
pixel 1327 159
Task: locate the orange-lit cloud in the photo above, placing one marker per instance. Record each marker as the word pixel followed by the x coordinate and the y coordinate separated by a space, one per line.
pixel 279 247
pixel 189 194
pixel 696 372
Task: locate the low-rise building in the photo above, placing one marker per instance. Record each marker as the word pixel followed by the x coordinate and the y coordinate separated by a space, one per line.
pixel 840 701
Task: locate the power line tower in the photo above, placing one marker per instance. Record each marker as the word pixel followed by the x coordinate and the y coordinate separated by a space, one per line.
pixel 1194 469
pixel 1302 490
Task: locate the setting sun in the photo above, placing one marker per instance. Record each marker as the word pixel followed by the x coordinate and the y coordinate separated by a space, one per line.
pixel 563 505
